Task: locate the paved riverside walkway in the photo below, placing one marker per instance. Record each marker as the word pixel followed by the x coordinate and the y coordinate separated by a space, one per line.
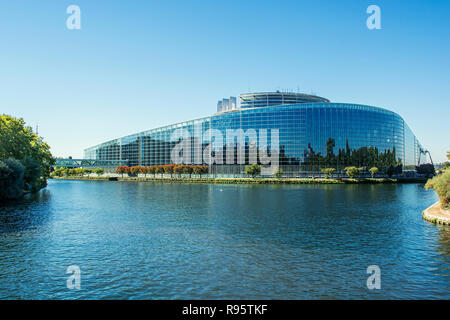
pixel 437 215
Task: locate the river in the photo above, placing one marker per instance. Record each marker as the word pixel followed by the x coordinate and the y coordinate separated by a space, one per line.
pixel 138 240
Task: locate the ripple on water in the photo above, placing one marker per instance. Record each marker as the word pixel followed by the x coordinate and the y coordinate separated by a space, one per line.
pixel 181 241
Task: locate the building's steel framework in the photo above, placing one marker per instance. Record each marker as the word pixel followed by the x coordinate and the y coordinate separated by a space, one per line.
pixel 85 163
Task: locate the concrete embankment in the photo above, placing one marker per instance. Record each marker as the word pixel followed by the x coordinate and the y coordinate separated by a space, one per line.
pixel 436 214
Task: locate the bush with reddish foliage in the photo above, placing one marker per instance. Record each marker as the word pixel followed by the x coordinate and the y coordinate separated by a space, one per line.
pixel 122 169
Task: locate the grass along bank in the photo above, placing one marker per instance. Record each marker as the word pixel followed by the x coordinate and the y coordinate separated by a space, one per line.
pixel 199 174
pixel 440 211
pixel 241 180
pixel 441 184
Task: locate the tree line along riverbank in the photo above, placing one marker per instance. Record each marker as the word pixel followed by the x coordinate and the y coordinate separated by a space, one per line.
pixel 209 180
pixel 199 174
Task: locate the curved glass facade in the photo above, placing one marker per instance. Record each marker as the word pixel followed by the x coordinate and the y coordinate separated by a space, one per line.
pixel 311 136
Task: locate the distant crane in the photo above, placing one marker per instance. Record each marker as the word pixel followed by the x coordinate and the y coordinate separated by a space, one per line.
pixel 423 151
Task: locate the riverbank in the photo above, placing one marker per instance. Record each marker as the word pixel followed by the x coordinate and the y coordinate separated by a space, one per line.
pixel 251 180
pixel 436 214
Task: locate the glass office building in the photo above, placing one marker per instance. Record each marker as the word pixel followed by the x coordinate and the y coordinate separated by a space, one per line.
pixel 313 134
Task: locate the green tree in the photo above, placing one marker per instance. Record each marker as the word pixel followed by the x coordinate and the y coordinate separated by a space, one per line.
pixel 32 174
pixel 19 142
pixel 64 171
pixel 99 171
pixel 12 183
pixel 351 171
pixel 390 171
pixel 426 169
pixel 253 170
pixel 59 172
pixel 328 171
pixel 373 171
pixel 5 179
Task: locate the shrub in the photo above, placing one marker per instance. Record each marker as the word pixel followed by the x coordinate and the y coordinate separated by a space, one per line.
pixel 351 171
pixel 425 169
pixel 122 169
pixel 373 171
pixel 188 170
pixel 12 183
pixel 253 170
pixel 446 165
pixel 169 169
pixel 134 171
pixel 147 170
pixel 328 171
pixel 441 184
pixel 390 171
pixel 18 141
pixel 99 172
pixel 159 169
pixel 178 169
pixel 151 170
pixel 32 175
pixel 59 172
pixel 197 170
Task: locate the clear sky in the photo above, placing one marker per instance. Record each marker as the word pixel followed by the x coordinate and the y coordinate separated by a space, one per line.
pixel 137 65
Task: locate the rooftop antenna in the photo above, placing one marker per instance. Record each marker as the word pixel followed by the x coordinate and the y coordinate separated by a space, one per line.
pixel 37 130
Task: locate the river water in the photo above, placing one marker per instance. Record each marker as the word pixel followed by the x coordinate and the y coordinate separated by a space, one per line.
pixel 141 240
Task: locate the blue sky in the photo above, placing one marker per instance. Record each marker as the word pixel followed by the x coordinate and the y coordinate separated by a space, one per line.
pixel 136 65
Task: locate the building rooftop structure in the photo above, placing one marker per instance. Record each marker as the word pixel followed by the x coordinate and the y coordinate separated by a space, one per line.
pixel 267 99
